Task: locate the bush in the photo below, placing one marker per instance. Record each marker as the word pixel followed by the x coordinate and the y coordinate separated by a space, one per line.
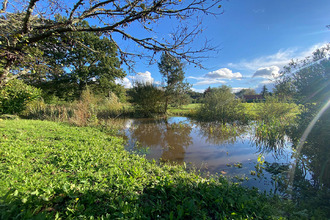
pixel 220 104
pixel 16 95
pixel 148 99
pixel 274 108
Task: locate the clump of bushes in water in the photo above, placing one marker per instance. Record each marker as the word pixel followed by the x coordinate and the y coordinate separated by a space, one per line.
pixel 147 99
pixel 274 119
pixel 51 170
pixel 221 105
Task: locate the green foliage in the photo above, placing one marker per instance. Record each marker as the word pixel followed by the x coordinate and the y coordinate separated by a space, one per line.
pixel 75 61
pixel 175 88
pixel 88 110
pixel 270 136
pixel 185 110
pixel 195 96
pixel 148 99
pixel 50 171
pixel 23 32
pixel 243 92
pixel 307 80
pixel 16 95
pixel 220 104
pixel 264 91
pixel 275 108
pixel 274 117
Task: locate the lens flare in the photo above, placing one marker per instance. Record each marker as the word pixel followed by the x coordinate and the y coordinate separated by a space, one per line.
pixel 305 135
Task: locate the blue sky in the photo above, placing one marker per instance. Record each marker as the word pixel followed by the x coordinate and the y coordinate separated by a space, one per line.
pixel 256 38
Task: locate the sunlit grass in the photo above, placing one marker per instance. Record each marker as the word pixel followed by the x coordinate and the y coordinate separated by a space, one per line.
pixel 51 170
pixel 184 110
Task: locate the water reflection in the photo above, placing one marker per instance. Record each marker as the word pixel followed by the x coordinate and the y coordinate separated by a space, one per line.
pixel 270 137
pixel 310 174
pixel 219 134
pixel 211 147
pixel 267 160
pixel 171 139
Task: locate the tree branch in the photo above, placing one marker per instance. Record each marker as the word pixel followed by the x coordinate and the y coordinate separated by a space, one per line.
pixel 4 6
pixel 75 7
pixel 111 17
pixel 27 16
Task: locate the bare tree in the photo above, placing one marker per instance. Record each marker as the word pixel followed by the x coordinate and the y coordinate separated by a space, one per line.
pixel 26 23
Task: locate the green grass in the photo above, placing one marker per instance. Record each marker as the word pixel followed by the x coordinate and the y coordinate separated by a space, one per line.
pixel 185 110
pixel 251 109
pixel 51 170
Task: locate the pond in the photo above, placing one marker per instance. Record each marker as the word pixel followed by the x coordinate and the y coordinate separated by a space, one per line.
pixel 231 151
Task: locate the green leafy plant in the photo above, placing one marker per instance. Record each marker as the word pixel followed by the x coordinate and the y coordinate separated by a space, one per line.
pixel 16 95
pixel 220 104
pixel 148 99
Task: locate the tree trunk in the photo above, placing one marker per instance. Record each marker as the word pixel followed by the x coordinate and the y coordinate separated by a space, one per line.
pixel 166 104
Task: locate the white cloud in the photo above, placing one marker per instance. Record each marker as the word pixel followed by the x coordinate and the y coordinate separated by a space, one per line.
pixel 237 89
pixel 267 72
pixel 209 82
pixel 124 82
pixel 279 59
pixel 223 73
pixel 267 82
pixel 142 77
pixel 198 90
pixel 216 77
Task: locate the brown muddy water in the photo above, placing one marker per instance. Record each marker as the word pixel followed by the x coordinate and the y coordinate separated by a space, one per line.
pixel 230 151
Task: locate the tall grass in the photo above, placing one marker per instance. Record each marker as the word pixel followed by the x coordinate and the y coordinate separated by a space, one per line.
pixel 273 119
pixel 89 110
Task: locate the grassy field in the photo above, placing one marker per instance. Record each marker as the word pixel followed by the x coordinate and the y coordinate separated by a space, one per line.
pixel 51 170
pixel 250 109
pixel 185 110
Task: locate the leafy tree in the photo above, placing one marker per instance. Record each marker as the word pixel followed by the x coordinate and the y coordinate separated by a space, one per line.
pixel 147 98
pixel 284 89
pixel 264 91
pixel 308 80
pixel 207 90
pixel 220 105
pixel 175 88
pixel 72 67
pixel 26 24
pixel 195 96
pixel 243 92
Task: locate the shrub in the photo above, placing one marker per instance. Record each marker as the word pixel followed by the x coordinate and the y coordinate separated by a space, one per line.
pixel 16 95
pixel 220 104
pixel 274 108
pixel 148 99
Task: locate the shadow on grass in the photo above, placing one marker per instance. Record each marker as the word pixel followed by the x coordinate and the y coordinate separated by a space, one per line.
pixel 167 199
